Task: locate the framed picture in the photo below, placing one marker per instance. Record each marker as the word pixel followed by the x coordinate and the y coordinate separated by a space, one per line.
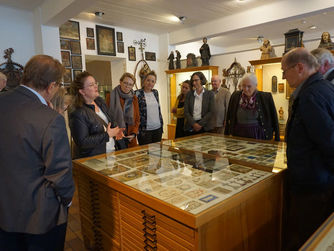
pixel 281 87
pixel 76 62
pixel 150 56
pixel 132 53
pixel 293 39
pixel 75 47
pixel 90 32
pixel 76 72
pixel 65 58
pixel 90 43
pixel 273 84
pixel 65 44
pixel 70 30
pixel 120 47
pixel 119 36
pixel 67 75
pixel 289 90
pixel 105 38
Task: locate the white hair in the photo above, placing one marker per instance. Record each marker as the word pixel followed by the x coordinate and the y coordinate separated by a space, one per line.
pixel 251 77
pixel 322 55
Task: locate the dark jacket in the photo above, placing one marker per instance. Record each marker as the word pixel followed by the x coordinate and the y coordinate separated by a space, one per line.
pixel 208 108
pixel 310 134
pixel 267 114
pixel 143 108
pixel 36 181
pixel 87 129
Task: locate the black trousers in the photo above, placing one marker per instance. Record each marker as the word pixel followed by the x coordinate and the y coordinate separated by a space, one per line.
pixel 147 137
pixel 51 241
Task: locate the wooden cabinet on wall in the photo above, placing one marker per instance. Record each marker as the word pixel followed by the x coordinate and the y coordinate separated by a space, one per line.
pixel 175 78
pixel 121 212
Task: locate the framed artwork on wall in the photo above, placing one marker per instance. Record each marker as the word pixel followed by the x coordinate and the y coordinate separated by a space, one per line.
pixel 75 47
pixel 76 72
pixel 281 87
pixel 65 58
pixel 120 47
pixel 273 84
pixel 90 43
pixel 150 56
pixel 65 44
pixel 119 36
pixel 132 53
pixel 105 39
pixel 70 30
pixel 90 32
pixel 76 62
pixel 67 75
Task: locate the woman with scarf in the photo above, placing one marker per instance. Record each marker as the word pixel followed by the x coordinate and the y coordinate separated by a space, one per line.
pixel 124 108
pixel 252 113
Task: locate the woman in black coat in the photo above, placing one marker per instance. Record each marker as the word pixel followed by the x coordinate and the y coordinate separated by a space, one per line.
pixel 252 113
pixel 92 127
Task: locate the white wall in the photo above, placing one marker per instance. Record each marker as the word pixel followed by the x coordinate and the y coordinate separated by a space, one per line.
pixel 17 32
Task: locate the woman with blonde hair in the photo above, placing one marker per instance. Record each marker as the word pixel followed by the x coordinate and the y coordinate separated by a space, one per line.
pixel 124 108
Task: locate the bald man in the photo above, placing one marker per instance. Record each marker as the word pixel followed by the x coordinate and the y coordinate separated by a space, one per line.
pixel 310 148
pixel 222 98
pixel 3 82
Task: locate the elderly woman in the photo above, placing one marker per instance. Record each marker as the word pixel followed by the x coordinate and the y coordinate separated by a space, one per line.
pixel 124 108
pixel 92 128
pixel 199 106
pixel 151 123
pixel 252 113
pixel 178 109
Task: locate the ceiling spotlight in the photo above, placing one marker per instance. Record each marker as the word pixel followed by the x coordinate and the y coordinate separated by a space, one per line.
pixel 182 18
pixel 99 13
pixel 303 21
pixel 312 27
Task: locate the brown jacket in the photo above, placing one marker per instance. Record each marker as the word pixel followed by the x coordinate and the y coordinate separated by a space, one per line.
pixel 133 129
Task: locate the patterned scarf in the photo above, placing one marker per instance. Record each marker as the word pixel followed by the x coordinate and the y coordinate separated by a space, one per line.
pixel 124 116
pixel 248 102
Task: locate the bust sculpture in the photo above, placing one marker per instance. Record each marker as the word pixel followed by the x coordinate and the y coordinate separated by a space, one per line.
pixel 326 41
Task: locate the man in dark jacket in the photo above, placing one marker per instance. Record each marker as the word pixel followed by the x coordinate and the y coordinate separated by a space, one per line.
pixel 310 148
pixel 326 60
pixel 36 185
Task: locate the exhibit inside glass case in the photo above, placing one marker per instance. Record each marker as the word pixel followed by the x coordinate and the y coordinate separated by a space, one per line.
pixel 183 195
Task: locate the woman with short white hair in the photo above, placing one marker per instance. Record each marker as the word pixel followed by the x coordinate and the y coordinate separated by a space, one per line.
pixel 252 113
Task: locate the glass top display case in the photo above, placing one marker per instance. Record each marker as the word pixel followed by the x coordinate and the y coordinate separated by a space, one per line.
pixel 245 151
pixel 191 181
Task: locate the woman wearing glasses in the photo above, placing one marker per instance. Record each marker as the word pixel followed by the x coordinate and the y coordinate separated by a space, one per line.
pixel 252 113
pixel 124 108
pixel 92 128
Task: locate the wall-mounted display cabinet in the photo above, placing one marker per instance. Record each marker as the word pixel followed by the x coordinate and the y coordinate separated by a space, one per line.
pixel 175 78
pixel 160 197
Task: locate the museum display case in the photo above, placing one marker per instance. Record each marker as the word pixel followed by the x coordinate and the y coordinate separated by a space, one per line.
pixel 171 198
pixel 175 78
pixel 323 238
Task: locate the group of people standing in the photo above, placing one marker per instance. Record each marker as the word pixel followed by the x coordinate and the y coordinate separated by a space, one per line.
pixel 98 127
pixel 246 113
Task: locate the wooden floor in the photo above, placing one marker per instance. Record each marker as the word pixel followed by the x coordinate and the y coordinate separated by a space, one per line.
pixel 74 240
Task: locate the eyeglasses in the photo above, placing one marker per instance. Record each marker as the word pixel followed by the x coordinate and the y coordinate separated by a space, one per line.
pixel 292 66
pixel 59 84
pixel 128 84
pixel 196 79
pixel 92 85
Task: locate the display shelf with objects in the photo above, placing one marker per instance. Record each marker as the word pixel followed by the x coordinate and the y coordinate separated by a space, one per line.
pixel 162 197
pixel 175 78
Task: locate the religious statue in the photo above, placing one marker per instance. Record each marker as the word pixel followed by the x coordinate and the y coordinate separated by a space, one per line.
pixel 171 61
pixel 205 52
pixel 266 49
pixel 191 60
pixel 178 60
pixel 326 41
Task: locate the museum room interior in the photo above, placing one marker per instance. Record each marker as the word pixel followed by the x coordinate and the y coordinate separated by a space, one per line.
pixel 145 32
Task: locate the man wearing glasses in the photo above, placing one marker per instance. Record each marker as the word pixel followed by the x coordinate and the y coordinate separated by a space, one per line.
pixel 310 148
pixel 36 185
